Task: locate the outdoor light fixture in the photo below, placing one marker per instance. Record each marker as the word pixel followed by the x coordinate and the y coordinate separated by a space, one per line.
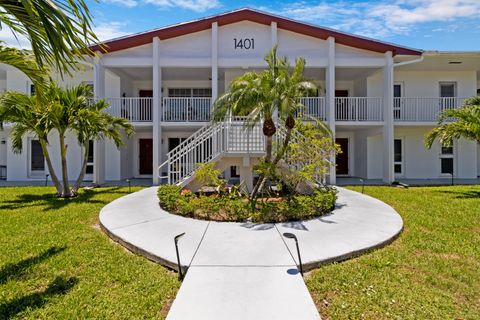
pixel 180 273
pixel 129 186
pixel 289 235
pixel 46 179
pixel 363 184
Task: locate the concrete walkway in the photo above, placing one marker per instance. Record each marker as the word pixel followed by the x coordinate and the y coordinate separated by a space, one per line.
pixel 244 270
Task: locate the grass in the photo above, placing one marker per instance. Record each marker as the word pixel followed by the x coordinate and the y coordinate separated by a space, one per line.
pixel 431 272
pixel 56 263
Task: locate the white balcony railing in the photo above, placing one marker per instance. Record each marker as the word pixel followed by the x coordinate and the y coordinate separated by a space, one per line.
pixel 359 109
pixel 314 107
pixel 186 109
pixel 134 109
pixel 423 109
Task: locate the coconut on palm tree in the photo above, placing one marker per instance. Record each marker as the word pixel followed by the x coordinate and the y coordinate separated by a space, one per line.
pixel 275 91
pixel 458 123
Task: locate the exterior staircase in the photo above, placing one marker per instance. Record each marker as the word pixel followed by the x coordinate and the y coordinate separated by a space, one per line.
pixel 217 141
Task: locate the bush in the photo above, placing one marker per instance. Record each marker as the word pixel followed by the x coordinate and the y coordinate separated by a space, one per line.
pixel 227 208
pixel 168 196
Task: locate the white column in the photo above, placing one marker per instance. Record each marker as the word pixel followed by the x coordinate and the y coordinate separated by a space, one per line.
pixel 330 99
pixel 273 27
pixel 214 61
pixel 156 111
pixel 99 146
pixel 388 170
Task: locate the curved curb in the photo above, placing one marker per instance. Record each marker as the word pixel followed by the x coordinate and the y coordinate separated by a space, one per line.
pixel 158 222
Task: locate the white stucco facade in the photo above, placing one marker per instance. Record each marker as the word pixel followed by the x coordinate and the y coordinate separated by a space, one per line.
pixel 370 93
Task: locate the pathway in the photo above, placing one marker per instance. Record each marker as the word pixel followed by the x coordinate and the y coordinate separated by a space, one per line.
pixel 244 270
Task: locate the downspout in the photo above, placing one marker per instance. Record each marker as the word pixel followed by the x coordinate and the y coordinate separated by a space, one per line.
pixel 408 62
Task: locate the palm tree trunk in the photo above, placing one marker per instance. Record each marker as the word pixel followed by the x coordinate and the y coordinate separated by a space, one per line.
pixel 261 179
pixel 83 170
pixel 63 155
pixel 51 170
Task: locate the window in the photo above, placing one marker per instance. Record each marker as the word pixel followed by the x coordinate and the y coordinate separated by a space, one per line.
pixel 189 92
pixel 447 160
pixel 397 94
pixel 37 160
pixel 448 89
pixel 32 89
pixel 398 156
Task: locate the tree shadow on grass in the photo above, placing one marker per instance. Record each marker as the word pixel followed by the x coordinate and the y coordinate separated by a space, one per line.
pixel 50 201
pixel 59 286
pixel 16 270
pixel 470 194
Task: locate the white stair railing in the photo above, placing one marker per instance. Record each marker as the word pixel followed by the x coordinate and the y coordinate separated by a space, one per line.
pixel 208 143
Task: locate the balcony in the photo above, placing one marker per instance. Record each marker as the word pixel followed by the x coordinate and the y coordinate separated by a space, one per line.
pixel 358 109
pixel 186 109
pixel 132 109
pixel 422 109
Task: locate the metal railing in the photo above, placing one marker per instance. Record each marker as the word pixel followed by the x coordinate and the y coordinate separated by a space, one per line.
pixel 423 109
pixel 186 109
pixel 134 109
pixel 209 142
pixel 314 107
pixel 358 109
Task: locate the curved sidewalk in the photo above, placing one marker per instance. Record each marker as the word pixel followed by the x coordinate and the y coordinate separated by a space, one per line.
pixel 246 270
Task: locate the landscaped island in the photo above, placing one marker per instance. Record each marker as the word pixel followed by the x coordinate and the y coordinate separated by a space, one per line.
pixel 228 204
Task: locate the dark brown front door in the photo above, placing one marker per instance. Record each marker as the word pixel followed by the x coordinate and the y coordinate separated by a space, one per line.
pixel 341 93
pixel 145 156
pixel 145 93
pixel 342 158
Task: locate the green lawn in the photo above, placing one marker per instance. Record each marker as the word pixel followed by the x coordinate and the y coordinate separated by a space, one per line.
pixel 431 272
pixel 56 263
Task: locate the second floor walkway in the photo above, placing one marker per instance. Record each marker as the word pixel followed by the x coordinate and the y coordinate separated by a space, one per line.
pixel 347 109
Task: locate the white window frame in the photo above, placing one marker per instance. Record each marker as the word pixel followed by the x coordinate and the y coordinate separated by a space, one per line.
pixel 455 88
pixel 89 176
pixel 401 163
pixel 397 107
pixel 34 173
pixel 448 156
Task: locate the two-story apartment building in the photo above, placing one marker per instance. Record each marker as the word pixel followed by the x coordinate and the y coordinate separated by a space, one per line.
pixel 378 98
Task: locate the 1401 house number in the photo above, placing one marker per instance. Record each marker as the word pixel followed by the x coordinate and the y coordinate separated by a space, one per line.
pixel 246 43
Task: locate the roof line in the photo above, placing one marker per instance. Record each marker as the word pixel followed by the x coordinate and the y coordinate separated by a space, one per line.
pixel 258 16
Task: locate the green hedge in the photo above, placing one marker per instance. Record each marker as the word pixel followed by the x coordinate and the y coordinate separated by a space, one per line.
pixel 227 208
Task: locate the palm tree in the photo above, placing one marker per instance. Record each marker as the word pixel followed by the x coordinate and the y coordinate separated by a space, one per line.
pixel 59 31
pixel 27 115
pixel 465 124
pixel 73 109
pixel 61 111
pixel 93 123
pixel 274 91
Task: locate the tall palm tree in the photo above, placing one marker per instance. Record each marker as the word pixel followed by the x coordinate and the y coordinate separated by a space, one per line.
pixel 260 96
pixel 458 123
pixel 28 116
pixel 93 123
pixel 59 31
pixel 73 110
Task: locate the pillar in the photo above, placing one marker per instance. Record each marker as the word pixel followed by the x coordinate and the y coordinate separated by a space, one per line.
pixel 156 111
pixel 388 170
pixel 330 100
pixel 99 145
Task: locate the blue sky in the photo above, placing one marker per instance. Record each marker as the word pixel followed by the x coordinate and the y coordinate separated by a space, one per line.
pixel 423 24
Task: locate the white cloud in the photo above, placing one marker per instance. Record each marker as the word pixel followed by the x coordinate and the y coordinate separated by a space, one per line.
pixel 381 18
pixel 109 30
pixel 194 5
pixel 125 3
pixel 104 31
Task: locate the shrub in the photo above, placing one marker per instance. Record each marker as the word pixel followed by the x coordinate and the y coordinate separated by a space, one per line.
pixel 168 196
pixel 207 175
pixel 227 208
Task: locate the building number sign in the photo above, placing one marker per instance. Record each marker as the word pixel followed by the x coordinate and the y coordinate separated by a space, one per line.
pixel 244 43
